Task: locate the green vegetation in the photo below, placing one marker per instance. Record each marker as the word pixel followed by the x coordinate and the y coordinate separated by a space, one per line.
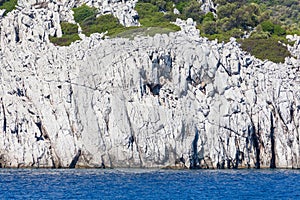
pixel 162 10
pixel 150 16
pixel 269 49
pixel 234 18
pixel 8 5
pixel 101 24
pixel 87 18
pixel 70 34
pixel 84 12
pixel 266 21
pixel 153 21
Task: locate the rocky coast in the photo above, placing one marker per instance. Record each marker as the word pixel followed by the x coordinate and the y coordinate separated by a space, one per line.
pixel 176 100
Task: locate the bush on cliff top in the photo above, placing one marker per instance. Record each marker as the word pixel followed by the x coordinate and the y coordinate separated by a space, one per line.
pixel 70 34
pixel 150 16
pixel 153 21
pixel 83 12
pixel 65 40
pixel 263 49
pixel 235 17
pixel 87 18
pixel 8 5
pixel 101 24
pixel 268 21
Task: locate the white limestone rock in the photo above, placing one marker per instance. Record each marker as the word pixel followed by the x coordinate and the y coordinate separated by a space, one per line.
pixel 2 11
pixel 123 10
pixel 208 6
pixel 174 100
pixel 188 27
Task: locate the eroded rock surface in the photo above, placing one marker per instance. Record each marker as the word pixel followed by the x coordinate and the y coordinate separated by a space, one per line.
pixel 173 100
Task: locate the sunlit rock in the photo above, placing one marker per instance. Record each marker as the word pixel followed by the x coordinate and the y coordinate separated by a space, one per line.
pixel 177 100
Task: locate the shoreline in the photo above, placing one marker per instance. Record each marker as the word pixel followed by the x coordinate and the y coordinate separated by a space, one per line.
pixel 148 168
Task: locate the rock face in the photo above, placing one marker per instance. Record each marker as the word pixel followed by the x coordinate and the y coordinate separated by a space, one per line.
pixel 173 100
pixel 208 6
pixel 123 10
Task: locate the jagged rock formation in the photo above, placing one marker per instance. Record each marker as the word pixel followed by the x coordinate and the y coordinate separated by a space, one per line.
pixel 167 101
pixel 208 6
pixel 123 10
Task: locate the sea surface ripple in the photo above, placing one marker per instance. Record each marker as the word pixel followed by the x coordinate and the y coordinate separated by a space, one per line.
pixel 148 184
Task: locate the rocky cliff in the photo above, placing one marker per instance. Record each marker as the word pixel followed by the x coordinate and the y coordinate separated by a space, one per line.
pixel 174 100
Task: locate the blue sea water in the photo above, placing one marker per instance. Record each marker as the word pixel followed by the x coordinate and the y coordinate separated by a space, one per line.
pixel 148 184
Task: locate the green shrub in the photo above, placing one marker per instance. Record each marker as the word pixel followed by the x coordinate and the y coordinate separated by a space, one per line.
pixel 65 40
pixel 226 24
pixel 209 17
pixel 220 37
pixel 146 9
pixel 171 17
pixel 8 5
pixel 260 35
pixel 269 49
pixel 246 17
pixel 236 33
pixel 209 27
pixel 83 12
pixel 166 6
pixel 151 17
pixel 70 34
pixel 226 10
pixel 282 39
pixel 180 6
pixel 68 28
pixel 194 11
pixel 101 24
pixel 224 36
pixel 272 28
pixel 86 17
pixel 268 26
pixel 278 30
pixel 162 5
pixel 268 20
pixel 293 31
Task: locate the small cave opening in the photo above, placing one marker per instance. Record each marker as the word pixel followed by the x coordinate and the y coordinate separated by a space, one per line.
pixel 154 88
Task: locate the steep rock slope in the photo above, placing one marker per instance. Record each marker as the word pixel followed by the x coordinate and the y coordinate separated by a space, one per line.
pixel 173 100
